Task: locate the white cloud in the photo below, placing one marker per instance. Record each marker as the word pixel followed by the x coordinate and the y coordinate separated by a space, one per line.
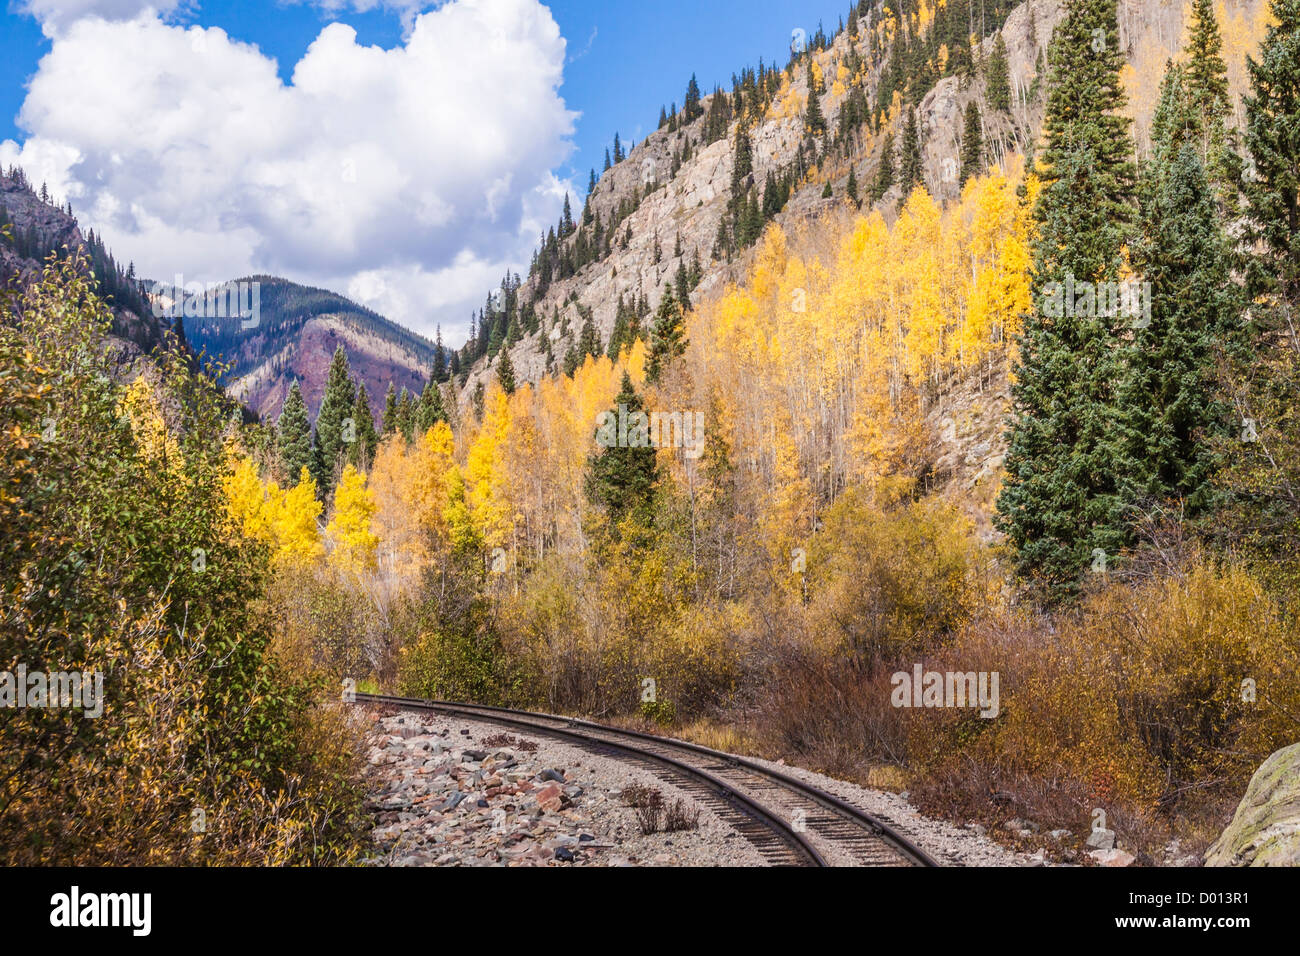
pixel 411 178
pixel 56 14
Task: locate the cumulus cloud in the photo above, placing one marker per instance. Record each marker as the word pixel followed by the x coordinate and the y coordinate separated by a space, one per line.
pixel 410 178
pixel 55 14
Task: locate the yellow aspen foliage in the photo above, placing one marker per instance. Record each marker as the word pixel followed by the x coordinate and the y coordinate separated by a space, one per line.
pixel 461 529
pixel 156 443
pixel 433 458
pixel 349 527
pixel 247 502
pixel 294 521
pixel 485 478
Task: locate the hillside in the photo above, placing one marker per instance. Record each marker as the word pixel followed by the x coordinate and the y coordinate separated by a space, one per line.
pixel 674 203
pixel 37 226
pixel 298 330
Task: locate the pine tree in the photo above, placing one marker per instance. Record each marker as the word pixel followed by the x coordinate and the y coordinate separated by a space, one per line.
pixel 851 188
pixel 293 438
pixel 1170 418
pixel 405 417
pixel 389 424
pixel 692 108
pixel 335 406
pixel 1060 504
pixel 439 371
pixel 997 83
pixel 910 172
pixel 972 143
pixel 621 477
pixel 362 451
pixel 1207 86
pixel 813 118
pixel 667 337
pixel 429 410
pixel 1265 473
pixel 506 374
pixel 885 172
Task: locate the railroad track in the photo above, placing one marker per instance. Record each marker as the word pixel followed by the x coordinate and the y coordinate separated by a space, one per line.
pixel 789 822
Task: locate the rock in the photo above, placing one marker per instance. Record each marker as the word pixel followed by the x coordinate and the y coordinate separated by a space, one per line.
pixel 1113 857
pixel 452 802
pixel 550 799
pixel 551 773
pixel 1101 839
pixel 564 854
pixel 473 756
pixel 1265 830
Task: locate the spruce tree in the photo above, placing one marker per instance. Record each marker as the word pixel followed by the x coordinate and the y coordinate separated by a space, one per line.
pixel 851 187
pixel 814 119
pixel 1060 502
pixel 429 410
pixel 1265 384
pixel 997 84
pixel 336 405
pixel 405 418
pixel 389 423
pixel 1171 420
pixel 506 373
pixel 293 436
pixel 621 477
pixel 667 337
pixel 885 171
pixel 1207 86
pixel 909 175
pixel 361 453
pixel 972 144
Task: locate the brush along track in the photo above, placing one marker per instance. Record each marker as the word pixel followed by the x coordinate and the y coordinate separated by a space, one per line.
pixel 789 822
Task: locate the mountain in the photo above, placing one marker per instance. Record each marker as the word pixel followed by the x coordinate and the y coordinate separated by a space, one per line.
pixel 298 328
pixel 33 226
pixel 689 201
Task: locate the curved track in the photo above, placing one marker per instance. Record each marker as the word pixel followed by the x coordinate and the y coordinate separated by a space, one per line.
pixel 789 822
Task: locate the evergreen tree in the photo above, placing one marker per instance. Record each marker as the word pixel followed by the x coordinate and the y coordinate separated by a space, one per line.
pixel 621 477
pixel 667 337
pixel 405 418
pixel 909 175
pixel 362 451
pixel 885 172
pixel 997 83
pixel 813 118
pixel 1265 473
pixel 336 405
pixel 851 188
pixel 1060 504
pixel 293 436
pixel 439 371
pixel 506 374
pixel 389 424
pixel 972 143
pixel 429 410
pixel 1207 86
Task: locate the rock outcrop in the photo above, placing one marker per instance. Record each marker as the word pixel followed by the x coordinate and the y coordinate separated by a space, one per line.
pixel 1265 831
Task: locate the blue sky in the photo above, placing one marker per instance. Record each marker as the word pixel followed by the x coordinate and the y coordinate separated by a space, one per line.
pixel 620 62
